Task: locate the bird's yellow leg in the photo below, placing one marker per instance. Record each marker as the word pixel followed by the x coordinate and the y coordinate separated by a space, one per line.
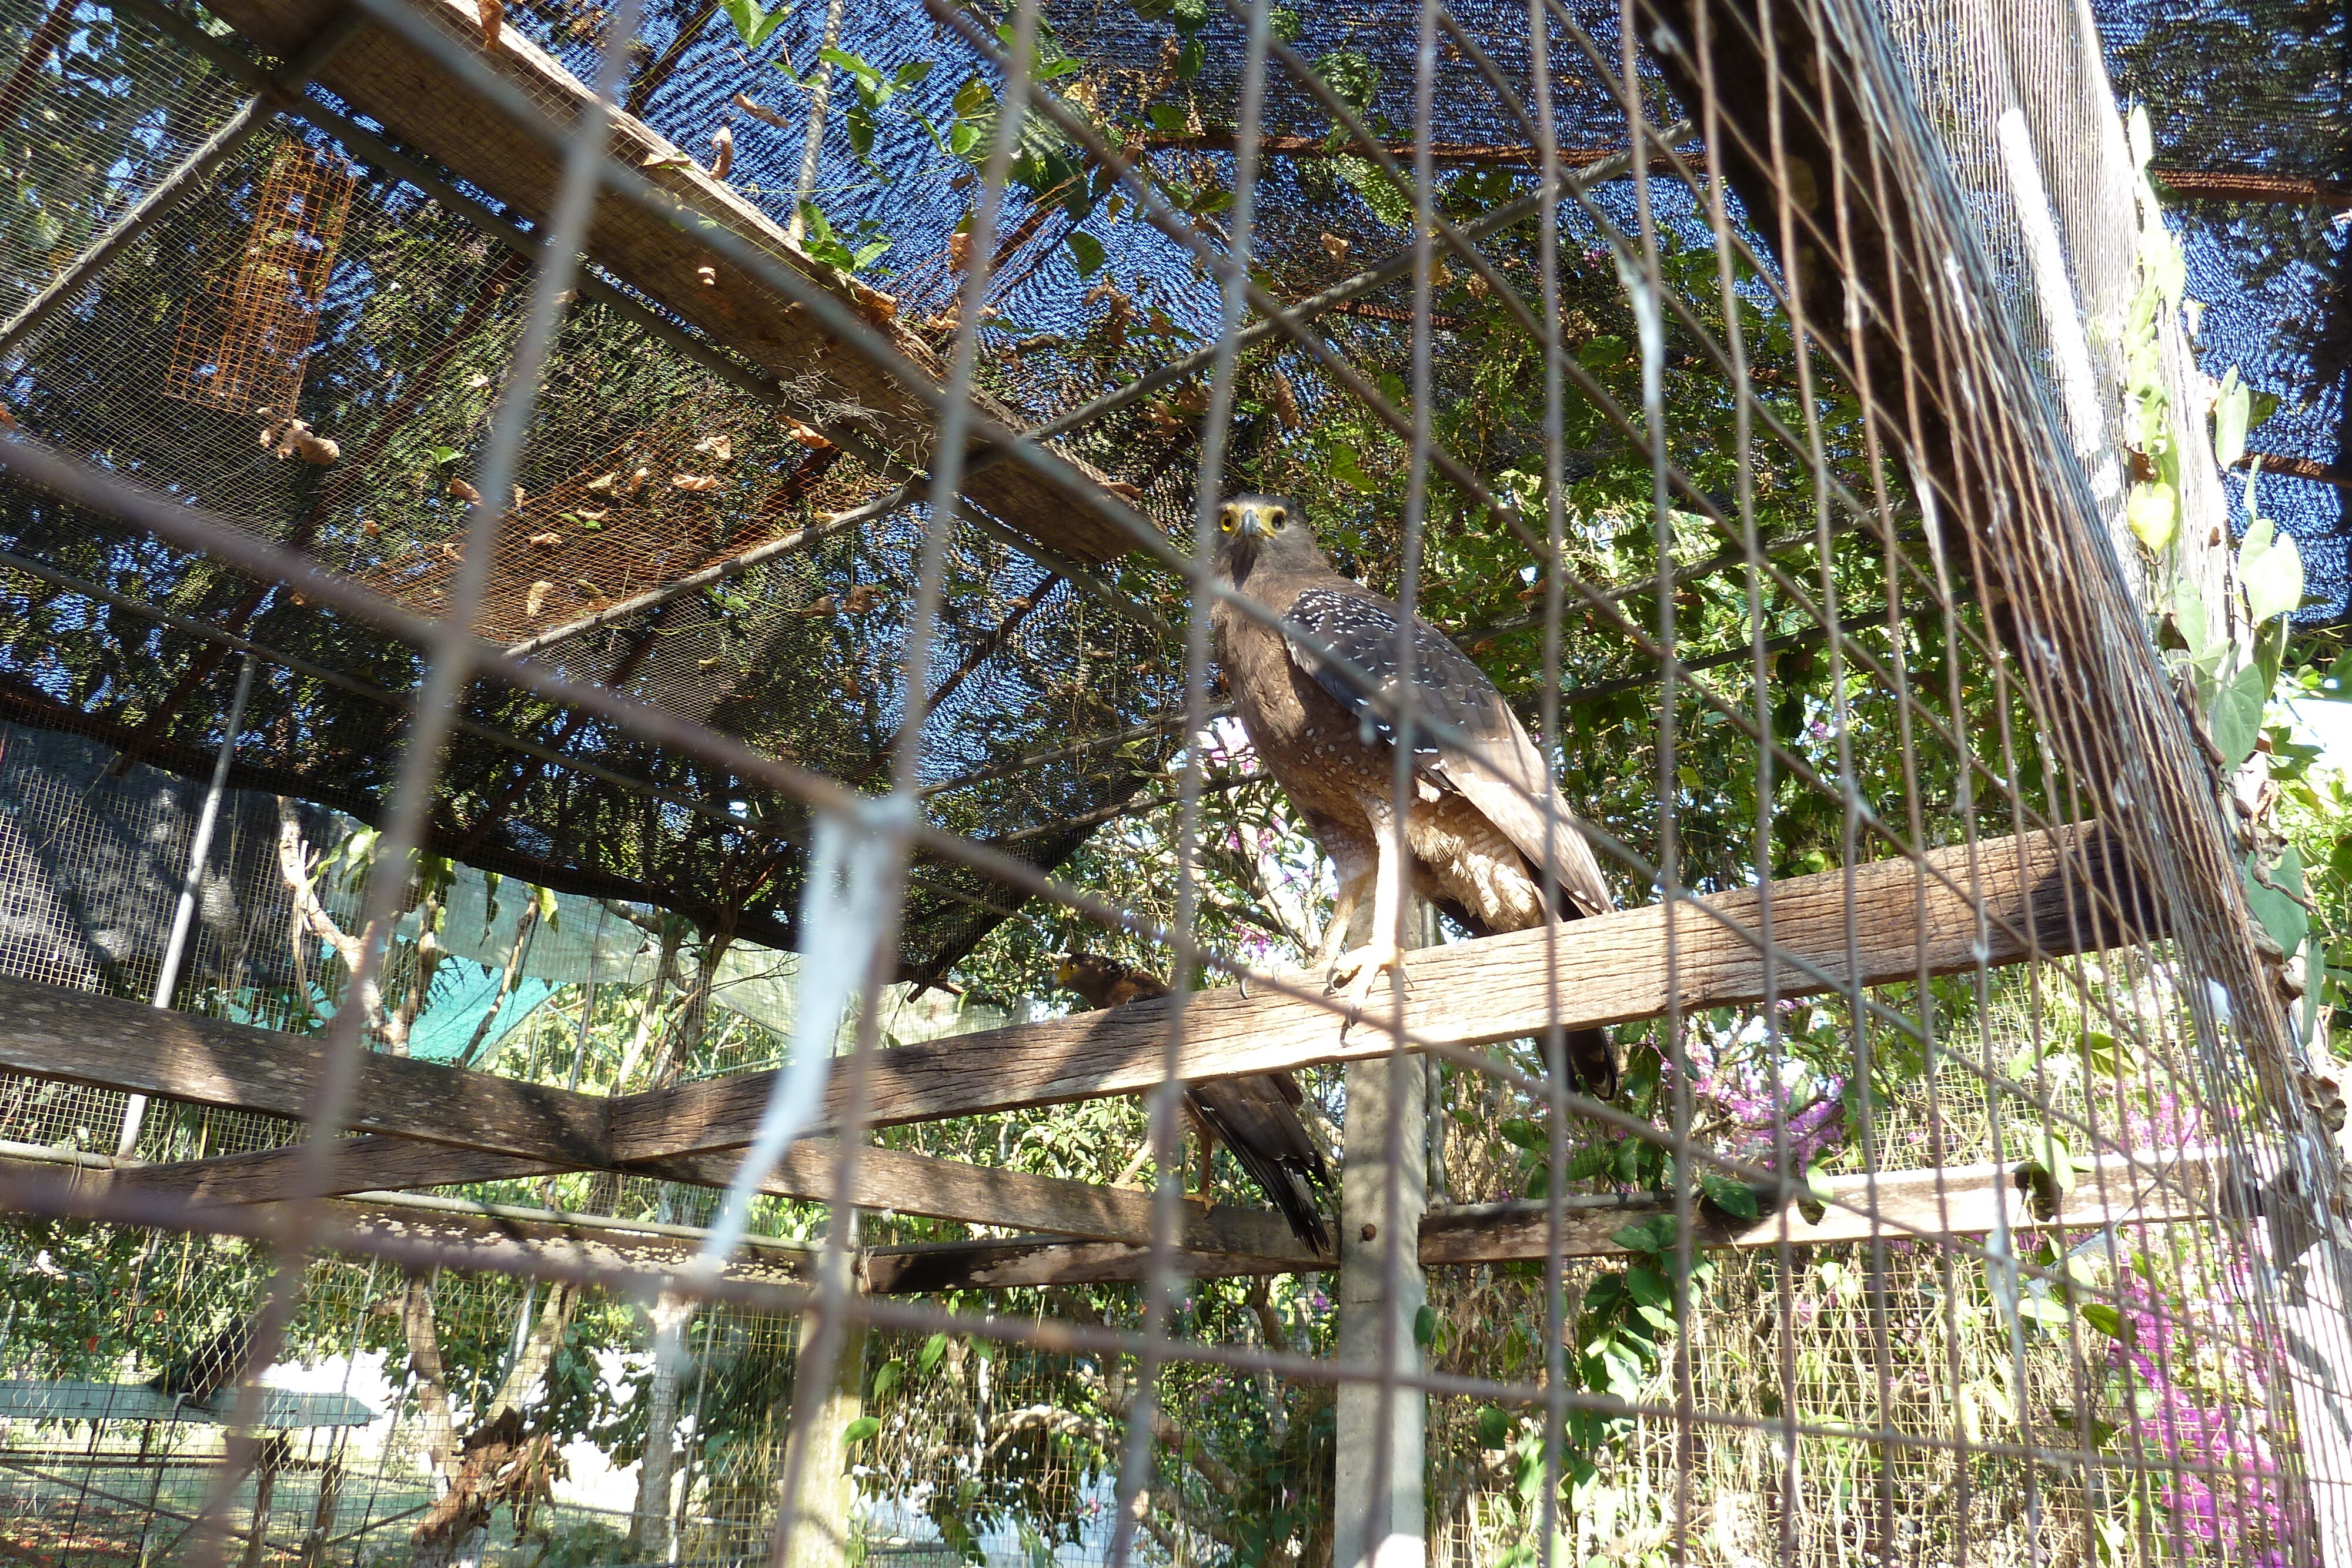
pixel 1344 900
pixel 1383 954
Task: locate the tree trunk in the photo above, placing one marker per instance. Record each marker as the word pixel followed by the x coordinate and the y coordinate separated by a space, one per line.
pixel 649 1528
pixel 820 1458
pixel 432 1382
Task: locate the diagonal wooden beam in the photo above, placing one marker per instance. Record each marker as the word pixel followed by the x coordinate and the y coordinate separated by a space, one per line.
pixel 355 1164
pixel 51 1032
pixel 1613 969
pixel 432 108
pixel 422 1124
pixel 890 1179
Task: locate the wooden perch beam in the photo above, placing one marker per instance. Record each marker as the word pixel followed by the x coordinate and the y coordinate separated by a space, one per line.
pixel 1909 1205
pixel 1613 969
pixel 435 110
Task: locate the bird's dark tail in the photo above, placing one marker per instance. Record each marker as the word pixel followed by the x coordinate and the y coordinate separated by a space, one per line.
pixel 1289 1177
pixel 1288 1188
pixel 1592 1061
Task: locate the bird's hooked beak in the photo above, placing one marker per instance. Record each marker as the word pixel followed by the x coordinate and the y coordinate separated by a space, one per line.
pixel 1253 519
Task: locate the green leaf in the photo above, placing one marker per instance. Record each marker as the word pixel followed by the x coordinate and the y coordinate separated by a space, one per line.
pixel 1190 59
pixel 1167 118
pixel 887 1376
pixel 2105 1319
pixel 2287 921
pixel 1340 460
pixel 2238 715
pixel 1527 1134
pixel 1085 251
pixel 2154 513
pixel 933 1348
pixel 857 1431
pixel 1734 1198
pixel 1425 1325
pixel 2230 411
pixel 753 24
pixel 2270 569
pixel 2109 1058
pixel 868 77
pixel 1649 1286
pixel 1494 1428
pixel 1655 1234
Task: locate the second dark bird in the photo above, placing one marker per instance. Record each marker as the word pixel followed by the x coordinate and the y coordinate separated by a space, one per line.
pixel 1255 1116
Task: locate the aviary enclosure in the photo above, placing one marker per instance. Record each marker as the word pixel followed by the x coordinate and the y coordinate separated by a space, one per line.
pixel 609 611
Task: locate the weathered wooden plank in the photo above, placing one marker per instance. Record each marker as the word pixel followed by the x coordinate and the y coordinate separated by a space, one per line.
pixel 1032 1261
pixel 1959 1200
pixel 432 109
pixel 1613 969
pixel 452 1127
pixel 1907 1207
pixel 368 1163
pixel 82 1037
pixel 987 1195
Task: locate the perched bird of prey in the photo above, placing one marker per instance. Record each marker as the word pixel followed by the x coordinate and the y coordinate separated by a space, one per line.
pixel 1255 1116
pixel 1475 828
pixel 215 1364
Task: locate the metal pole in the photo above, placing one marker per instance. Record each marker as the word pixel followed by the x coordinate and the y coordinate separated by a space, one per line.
pixel 192 171
pixel 167 978
pixel 1394 1537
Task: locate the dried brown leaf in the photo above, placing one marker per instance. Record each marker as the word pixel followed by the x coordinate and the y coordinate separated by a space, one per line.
pixel 493 15
pixel 695 482
pixel 532 601
pixel 757 112
pixel 464 491
pixel 723 151
pixel 720 447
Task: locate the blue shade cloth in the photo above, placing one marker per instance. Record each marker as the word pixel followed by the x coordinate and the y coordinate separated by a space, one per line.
pixel 462 993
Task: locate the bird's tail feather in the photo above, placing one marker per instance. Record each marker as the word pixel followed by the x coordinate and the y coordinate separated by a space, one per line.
pixel 1287 1183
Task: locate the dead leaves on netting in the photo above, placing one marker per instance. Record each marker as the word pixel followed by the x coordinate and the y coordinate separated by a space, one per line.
pixel 536 598
pixel 285 436
pixel 723 151
pixel 493 15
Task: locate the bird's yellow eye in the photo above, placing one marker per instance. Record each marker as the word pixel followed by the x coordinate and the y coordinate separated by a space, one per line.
pixel 1276 517
pixel 1226 520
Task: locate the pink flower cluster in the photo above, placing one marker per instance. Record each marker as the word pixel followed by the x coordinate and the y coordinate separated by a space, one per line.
pixel 1743 1089
pixel 2236 1499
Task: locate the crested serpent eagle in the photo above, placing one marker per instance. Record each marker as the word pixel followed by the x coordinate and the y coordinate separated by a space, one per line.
pixel 1475 829
pixel 1255 1116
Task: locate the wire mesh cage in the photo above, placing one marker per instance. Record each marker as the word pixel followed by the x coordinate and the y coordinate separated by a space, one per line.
pixel 1175 783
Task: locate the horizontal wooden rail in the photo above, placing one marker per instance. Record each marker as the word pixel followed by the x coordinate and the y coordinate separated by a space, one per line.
pixel 1611 970
pixel 1926 1205
pixel 1923 1206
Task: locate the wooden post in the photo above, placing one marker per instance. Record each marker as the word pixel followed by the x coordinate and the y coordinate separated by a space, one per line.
pixel 819 1456
pixel 1378 1513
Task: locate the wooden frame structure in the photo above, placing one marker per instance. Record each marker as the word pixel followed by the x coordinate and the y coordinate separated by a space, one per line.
pixel 415 1124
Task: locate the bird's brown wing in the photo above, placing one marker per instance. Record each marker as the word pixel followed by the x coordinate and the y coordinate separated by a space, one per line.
pixel 1256 1117
pixel 1496 767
